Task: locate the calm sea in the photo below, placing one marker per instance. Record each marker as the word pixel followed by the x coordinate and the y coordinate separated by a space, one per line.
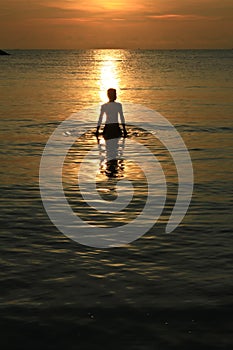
pixel 161 291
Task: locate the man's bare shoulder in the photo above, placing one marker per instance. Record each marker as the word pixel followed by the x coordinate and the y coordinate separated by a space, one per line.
pixel 118 105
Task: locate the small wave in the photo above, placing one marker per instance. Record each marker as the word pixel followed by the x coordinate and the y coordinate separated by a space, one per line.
pixel 197 129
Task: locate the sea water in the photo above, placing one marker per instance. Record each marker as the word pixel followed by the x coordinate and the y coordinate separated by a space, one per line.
pixel 156 289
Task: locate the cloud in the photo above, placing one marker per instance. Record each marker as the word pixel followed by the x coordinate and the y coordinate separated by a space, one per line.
pixel 99 5
pixel 179 17
pixel 130 10
pixel 132 23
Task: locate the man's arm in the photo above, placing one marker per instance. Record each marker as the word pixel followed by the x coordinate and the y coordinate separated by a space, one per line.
pixel 123 120
pixel 100 120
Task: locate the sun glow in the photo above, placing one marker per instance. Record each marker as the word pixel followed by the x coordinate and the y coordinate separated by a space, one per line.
pixel 108 77
pixel 112 5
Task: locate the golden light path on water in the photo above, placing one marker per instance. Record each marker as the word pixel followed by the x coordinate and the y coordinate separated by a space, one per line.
pixel 109 77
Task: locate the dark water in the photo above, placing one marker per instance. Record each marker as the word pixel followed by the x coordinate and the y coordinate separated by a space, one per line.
pixel 161 291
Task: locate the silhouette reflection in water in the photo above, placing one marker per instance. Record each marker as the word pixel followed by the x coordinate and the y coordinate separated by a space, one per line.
pixel 111 156
pixel 113 134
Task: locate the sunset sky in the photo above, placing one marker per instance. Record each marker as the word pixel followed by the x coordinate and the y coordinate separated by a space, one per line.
pixel 71 24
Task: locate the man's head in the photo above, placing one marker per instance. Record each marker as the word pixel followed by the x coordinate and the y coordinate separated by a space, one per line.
pixel 112 95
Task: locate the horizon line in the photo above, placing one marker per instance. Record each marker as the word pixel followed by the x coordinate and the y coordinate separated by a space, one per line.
pixel 120 48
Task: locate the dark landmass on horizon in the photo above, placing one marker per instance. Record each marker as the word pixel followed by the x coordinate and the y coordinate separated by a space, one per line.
pixel 4 53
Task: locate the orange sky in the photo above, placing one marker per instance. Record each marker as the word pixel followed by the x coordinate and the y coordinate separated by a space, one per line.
pixel 116 24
